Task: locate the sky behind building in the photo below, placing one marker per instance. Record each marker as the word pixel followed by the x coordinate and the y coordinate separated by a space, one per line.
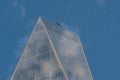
pixel 96 21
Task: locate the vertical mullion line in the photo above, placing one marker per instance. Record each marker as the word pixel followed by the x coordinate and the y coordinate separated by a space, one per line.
pixel 54 51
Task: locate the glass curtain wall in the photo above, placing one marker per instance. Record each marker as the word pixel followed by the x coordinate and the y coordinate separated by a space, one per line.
pixel 52 53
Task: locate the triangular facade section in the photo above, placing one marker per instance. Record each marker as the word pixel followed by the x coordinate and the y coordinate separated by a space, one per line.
pixel 37 61
pixel 52 53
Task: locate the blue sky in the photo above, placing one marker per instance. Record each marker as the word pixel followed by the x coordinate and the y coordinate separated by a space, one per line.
pixel 96 21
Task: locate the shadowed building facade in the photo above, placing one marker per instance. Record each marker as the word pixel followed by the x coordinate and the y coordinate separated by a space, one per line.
pixel 52 53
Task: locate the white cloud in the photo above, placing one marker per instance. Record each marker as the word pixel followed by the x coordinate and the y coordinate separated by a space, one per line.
pixel 72 28
pixel 72 57
pixel 20 7
pixel 22 11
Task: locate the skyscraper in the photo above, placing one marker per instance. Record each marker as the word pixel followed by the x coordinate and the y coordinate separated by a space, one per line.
pixel 52 53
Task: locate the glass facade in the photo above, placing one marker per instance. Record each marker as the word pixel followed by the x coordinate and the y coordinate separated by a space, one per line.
pixel 52 53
